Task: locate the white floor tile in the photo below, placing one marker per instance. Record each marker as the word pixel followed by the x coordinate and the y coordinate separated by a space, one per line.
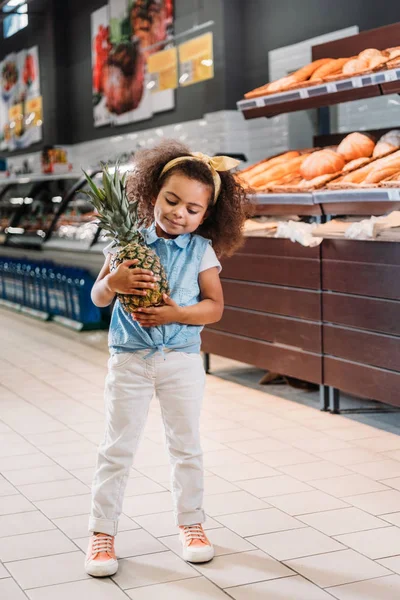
pixel 10 590
pixel 295 544
pixel 188 589
pixel 34 545
pixel 382 469
pixel 274 486
pixel 152 569
pixel 250 470
pixel 241 569
pixel 384 588
pixel 29 522
pixel 392 563
pixel 6 489
pixel 37 475
pixel 53 489
pixel 337 568
pixel 15 504
pixel 305 502
pixel 91 589
pixel 233 502
pixel 63 507
pixel 286 457
pixel 349 485
pixel 287 588
pixel 147 504
pixel 377 543
pixel 259 521
pixel 315 470
pixel 343 520
pixel 49 570
pixel 377 503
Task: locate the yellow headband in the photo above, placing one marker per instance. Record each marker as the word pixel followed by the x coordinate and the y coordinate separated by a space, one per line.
pixel 215 164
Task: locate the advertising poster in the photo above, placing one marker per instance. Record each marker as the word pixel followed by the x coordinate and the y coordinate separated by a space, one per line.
pixel 123 34
pixel 20 102
pixel 196 62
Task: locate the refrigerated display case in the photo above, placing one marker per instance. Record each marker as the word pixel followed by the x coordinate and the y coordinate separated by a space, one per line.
pixel 36 200
pixel 74 225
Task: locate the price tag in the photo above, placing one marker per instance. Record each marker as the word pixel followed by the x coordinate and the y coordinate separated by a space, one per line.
pixel 303 93
pixel 331 88
pixel 357 82
pixel 393 193
pixel 390 76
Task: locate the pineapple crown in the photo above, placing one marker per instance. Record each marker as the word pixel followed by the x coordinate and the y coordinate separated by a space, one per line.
pixel 116 215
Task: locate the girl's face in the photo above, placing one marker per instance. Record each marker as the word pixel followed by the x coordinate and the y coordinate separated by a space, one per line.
pixel 181 205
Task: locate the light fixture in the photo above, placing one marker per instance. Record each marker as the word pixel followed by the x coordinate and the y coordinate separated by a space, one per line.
pixel 16 200
pixel 56 199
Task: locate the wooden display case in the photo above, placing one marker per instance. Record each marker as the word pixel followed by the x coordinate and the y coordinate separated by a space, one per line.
pixel 272 315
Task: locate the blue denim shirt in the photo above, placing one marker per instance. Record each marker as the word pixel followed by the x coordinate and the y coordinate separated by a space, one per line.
pixel 181 258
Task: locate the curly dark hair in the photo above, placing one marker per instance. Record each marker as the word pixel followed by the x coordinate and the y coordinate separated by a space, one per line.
pixel 225 220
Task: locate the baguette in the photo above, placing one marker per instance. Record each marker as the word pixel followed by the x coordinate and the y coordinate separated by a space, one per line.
pixel 291 166
pixel 305 72
pixel 331 68
pixel 378 175
pixel 355 66
pixel 355 164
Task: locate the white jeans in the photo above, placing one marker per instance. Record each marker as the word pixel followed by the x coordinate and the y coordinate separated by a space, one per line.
pixel 178 380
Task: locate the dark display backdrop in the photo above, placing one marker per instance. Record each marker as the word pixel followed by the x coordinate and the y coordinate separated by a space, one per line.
pixel 271 24
pixel 244 32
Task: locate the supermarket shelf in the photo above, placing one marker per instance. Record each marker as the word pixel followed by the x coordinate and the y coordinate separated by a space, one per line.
pixel 330 196
pixel 361 195
pixel 344 90
pixel 301 199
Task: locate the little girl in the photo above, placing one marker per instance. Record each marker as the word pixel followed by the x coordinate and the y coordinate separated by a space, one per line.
pixel 192 210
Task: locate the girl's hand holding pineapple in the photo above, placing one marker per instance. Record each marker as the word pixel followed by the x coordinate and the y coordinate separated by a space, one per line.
pixel 127 279
pixel 171 312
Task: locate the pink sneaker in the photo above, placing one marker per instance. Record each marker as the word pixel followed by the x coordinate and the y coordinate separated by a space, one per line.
pixel 196 546
pixel 101 560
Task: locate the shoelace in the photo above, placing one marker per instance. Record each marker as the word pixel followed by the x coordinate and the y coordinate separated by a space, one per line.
pixel 194 532
pixel 102 543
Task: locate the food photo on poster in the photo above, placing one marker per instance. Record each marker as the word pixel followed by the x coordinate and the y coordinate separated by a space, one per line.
pixel 21 101
pixel 124 34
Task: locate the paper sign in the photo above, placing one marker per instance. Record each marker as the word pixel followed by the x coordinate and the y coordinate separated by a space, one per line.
pixel 196 60
pixel 33 112
pixel 163 70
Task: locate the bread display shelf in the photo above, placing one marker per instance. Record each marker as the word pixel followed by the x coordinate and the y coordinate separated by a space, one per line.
pixel 300 199
pixel 356 195
pixel 334 92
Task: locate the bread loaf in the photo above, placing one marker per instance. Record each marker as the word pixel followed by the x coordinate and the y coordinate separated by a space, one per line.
pixel 378 175
pixel 369 53
pixel 355 164
pixel 278 171
pixel 356 145
pixel 383 148
pixel 354 66
pixel 332 67
pixel 323 162
pixel 267 164
pixel 377 61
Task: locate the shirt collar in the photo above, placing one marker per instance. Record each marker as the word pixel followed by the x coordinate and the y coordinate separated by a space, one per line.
pixel 150 235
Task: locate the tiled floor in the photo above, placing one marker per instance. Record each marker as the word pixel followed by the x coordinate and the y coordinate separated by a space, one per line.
pixel 301 505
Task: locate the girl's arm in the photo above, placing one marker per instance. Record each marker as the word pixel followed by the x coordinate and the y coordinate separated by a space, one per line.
pixel 124 280
pixel 208 310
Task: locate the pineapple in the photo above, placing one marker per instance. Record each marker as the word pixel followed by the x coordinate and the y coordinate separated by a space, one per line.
pixel 120 219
